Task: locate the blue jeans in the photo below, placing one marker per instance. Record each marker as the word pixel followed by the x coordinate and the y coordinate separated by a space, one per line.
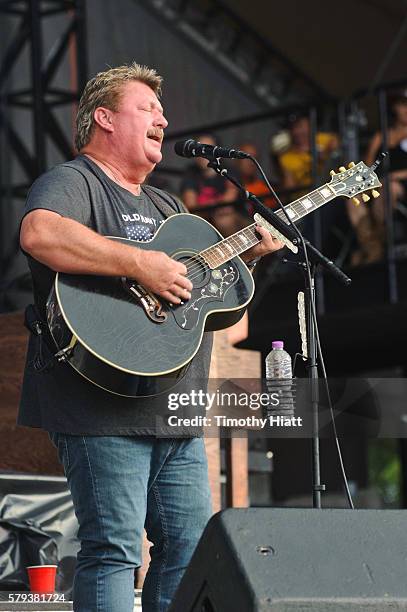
pixel 119 486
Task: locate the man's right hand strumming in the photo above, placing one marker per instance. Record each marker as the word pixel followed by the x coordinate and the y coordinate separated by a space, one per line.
pixel 65 245
pixel 163 276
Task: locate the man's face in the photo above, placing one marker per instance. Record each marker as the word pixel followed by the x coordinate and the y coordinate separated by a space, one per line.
pixel 139 126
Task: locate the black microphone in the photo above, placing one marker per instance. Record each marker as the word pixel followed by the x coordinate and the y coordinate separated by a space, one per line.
pixel 193 148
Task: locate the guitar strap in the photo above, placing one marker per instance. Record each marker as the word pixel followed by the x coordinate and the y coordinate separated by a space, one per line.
pixel 166 203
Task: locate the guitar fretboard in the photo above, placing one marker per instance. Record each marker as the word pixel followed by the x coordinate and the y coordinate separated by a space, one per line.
pixel 247 237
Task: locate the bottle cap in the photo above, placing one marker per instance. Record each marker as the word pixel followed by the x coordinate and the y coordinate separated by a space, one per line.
pixel 277 344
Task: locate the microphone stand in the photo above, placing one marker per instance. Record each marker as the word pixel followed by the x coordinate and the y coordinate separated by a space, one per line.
pixel 312 367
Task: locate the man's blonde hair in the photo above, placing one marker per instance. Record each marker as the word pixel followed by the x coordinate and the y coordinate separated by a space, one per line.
pixel 105 90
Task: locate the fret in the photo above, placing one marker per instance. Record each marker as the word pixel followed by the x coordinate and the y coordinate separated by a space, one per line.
pixel 208 260
pixel 251 240
pixel 326 192
pixel 301 207
pixel 250 233
pixel 234 245
pixel 306 203
pixel 228 248
pixel 240 236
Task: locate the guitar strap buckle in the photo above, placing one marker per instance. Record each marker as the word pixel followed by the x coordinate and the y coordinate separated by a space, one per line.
pixel 37 326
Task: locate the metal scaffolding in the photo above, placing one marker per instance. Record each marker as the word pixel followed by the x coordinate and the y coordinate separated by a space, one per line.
pixel 231 44
pixel 44 38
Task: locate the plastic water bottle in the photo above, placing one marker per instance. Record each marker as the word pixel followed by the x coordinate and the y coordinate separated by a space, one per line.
pixel 278 361
pixel 279 377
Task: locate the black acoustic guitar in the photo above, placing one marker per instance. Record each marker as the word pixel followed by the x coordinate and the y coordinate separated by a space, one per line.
pixel 130 342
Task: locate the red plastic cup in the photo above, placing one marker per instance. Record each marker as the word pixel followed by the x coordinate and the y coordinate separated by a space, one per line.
pixel 42 578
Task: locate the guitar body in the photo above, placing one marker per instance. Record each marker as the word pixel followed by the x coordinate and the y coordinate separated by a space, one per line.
pixel 103 327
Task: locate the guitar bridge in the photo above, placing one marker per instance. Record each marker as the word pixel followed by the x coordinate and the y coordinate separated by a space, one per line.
pixel 152 306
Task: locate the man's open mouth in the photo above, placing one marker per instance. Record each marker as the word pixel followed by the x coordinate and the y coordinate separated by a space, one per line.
pixel 155 137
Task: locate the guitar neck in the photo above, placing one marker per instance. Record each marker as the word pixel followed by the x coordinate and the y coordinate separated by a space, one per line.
pixel 244 239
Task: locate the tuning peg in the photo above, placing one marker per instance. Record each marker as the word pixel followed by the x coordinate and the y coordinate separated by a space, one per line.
pixel 342 169
pixel 375 193
pixel 351 165
pixel 332 173
pixel 365 197
pixel 356 201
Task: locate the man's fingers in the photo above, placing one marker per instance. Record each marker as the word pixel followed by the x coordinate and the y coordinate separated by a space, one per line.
pixel 265 234
pixel 184 283
pixel 181 268
pixel 268 240
pixel 171 297
pixel 176 295
pixel 262 231
pixel 181 292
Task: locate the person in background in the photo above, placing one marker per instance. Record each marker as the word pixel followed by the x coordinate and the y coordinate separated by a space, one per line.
pixel 249 177
pixel 397 149
pixel 201 187
pixel 295 162
pixel 369 221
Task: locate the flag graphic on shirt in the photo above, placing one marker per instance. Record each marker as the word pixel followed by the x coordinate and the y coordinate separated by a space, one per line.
pixel 140 232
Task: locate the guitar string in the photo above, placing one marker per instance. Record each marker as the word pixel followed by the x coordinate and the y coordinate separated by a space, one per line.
pixel 196 268
pixel 297 207
pixel 197 265
pixel 300 210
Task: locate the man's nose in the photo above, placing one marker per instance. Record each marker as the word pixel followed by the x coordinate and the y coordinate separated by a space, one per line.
pixel 161 121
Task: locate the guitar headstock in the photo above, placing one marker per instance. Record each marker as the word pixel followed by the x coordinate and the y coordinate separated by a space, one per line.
pixel 353 180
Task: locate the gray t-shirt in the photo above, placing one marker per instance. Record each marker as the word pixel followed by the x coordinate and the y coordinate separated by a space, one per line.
pixel 59 399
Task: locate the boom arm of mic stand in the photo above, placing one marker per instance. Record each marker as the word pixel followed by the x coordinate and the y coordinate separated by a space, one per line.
pixel 319 258
pixel 313 253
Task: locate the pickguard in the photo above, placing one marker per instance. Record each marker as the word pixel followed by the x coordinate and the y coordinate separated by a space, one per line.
pixel 218 283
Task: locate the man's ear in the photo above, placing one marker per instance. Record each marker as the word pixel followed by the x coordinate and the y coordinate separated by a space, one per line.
pixel 104 118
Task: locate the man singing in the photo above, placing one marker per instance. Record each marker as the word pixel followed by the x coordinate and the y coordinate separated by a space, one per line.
pixel 122 475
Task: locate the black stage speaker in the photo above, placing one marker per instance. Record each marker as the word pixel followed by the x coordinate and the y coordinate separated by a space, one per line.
pixel 286 560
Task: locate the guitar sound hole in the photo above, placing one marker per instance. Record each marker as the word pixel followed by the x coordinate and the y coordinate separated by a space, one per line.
pixel 198 270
